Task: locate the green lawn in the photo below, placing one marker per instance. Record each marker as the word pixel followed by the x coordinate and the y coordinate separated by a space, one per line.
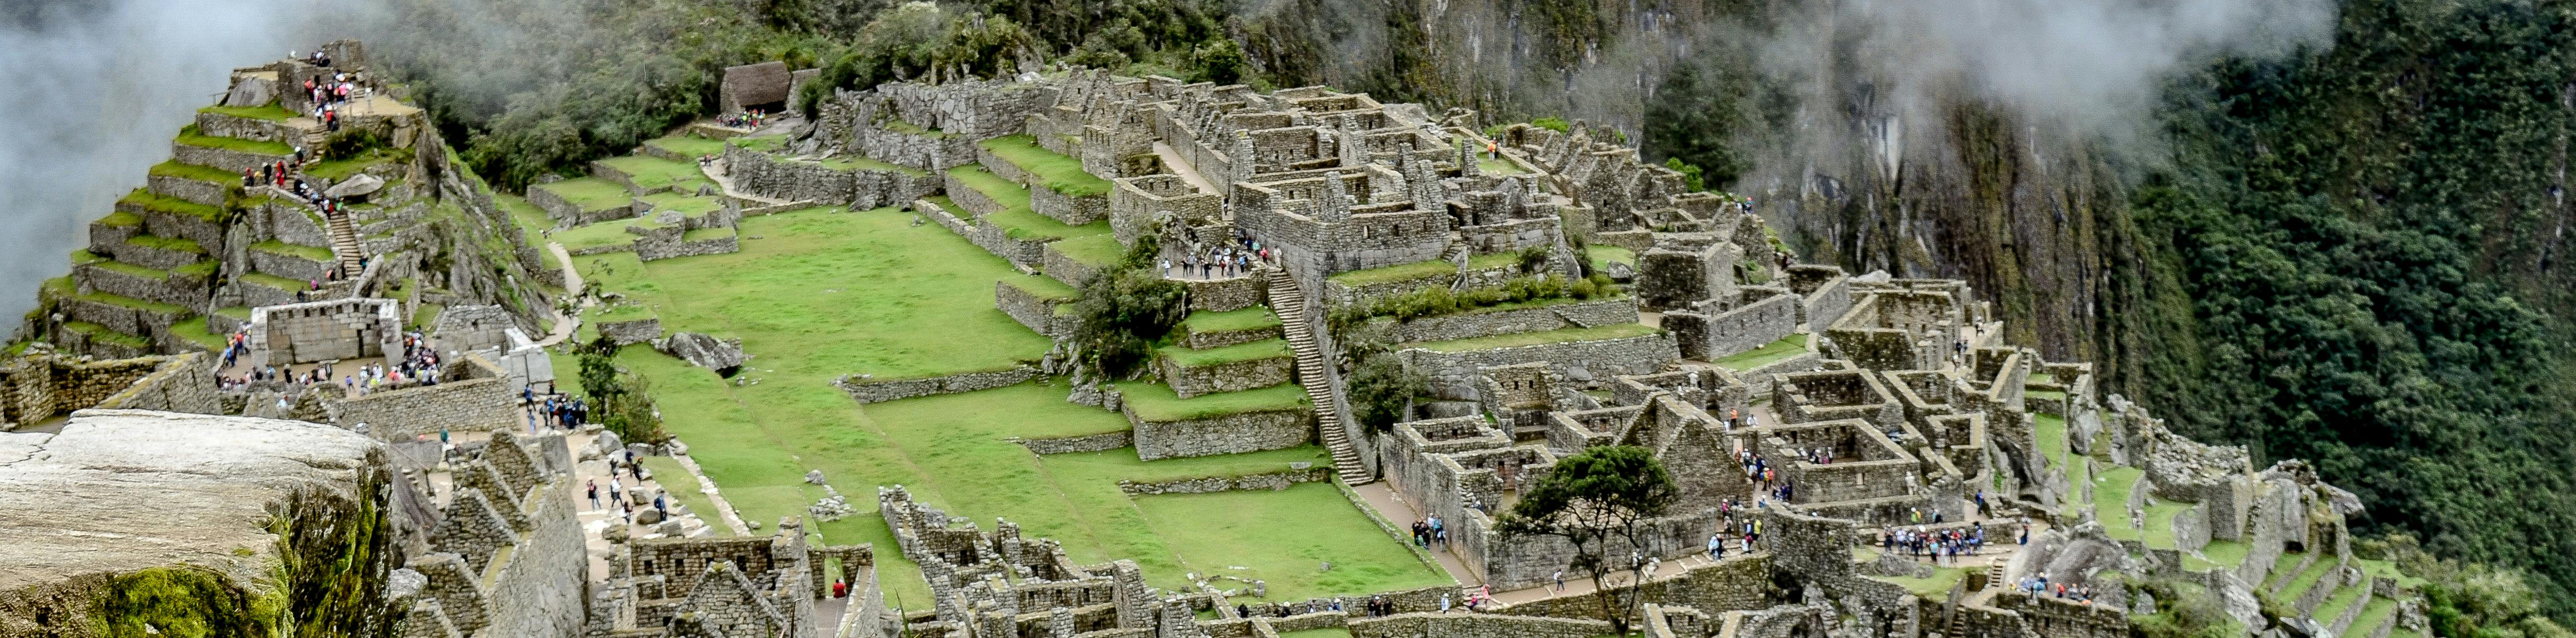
pixel 1255 351
pixel 651 173
pixel 193 329
pixel 1494 166
pixel 1156 402
pixel 2050 429
pixel 684 488
pixel 2299 584
pixel 2373 614
pixel 687 204
pixel 147 200
pixel 315 253
pixel 173 168
pixel 1041 287
pixel 2343 598
pixel 1015 215
pixel 1774 352
pixel 188 135
pixel 865 163
pixel 270 112
pixel 105 334
pixel 1420 270
pixel 586 236
pixel 1616 331
pixel 826 294
pixel 1602 256
pixel 341 168
pixel 589 193
pixel 2160 516
pixel 688 145
pixel 532 221
pixel 2225 554
pixel 2111 489
pixel 1253 318
pixel 1053 170
pixel 704 234
pixel 1097 251
pixel 1938 586
pixel 1211 533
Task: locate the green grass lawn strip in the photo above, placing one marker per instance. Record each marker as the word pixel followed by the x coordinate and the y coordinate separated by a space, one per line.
pixel 704 234
pixel 268 112
pixel 2299 585
pixel 684 488
pixel 532 221
pixel 1156 402
pixel 1602 255
pixel 188 135
pixel 589 193
pixel 1774 352
pixel 650 172
pixel 688 205
pixel 314 253
pixel 1616 331
pixel 2111 488
pixel 2373 614
pixel 1396 273
pixel 1255 351
pixel 1097 251
pixel 1325 632
pixel 274 281
pixel 98 332
pixel 137 304
pixel 2160 516
pixel 1015 215
pixel 193 329
pixel 1496 166
pixel 217 176
pixel 1041 287
pixel 1936 586
pixel 345 167
pixel 865 163
pixel 688 145
pixel 597 235
pixel 2387 569
pixel 172 205
pixel 1210 532
pixel 761 143
pixel 1055 171
pixel 166 243
pixel 1253 318
pixel 120 219
pixel 2343 598
pixel 2225 554
pixel 2050 429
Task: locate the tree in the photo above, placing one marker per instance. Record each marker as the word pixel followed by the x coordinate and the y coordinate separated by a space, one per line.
pixel 1381 389
pixel 1597 499
pixel 619 401
pixel 1124 309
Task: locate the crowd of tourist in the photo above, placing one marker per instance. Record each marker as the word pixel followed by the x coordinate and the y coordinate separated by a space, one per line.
pixel 750 119
pixel 2039 586
pixel 1428 531
pixel 1939 546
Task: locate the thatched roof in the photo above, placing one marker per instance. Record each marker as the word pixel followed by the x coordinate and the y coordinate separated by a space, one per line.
pixel 761 83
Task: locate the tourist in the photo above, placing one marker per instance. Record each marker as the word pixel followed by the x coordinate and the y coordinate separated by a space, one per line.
pixel 616 490
pixel 1716 547
pixel 1444 602
pixel 1560 576
pixel 594 494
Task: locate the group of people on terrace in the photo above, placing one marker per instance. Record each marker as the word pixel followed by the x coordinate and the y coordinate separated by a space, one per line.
pixel 1940 546
pixel 749 119
pixel 2039 586
pixel 328 95
pixel 557 411
pixel 1222 262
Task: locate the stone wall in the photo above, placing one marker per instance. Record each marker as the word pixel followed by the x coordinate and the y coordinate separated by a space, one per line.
pixel 668 243
pixel 202 192
pixel 1070 209
pixel 1738 583
pixel 1189 381
pixel 1101 442
pixel 990 237
pixel 1486 323
pixel 882 390
pixel 1035 312
pixel 540 592
pixel 1279 480
pixel 324 330
pixel 1222 434
pixel 1825 294
pixel 478 399
pixel 1137 202
pixel 794 180
pixel 38 385
pixel 1226 294
pixel 1427 625
pixel 1758 316
pixel 1453 374
pixel 630 331
pixel 170 289
pixel 1063 267
pixel 231 161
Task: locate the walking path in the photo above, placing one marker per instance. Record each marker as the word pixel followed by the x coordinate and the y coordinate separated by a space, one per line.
pixel 1172 160
pixel 565 325
pixel 717 171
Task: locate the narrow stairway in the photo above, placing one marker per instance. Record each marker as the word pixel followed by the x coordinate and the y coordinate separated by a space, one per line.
pixel 1290 304
pixel 344 242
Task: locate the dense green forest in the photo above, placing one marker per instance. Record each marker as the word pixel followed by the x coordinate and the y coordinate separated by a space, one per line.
pixel 2351 254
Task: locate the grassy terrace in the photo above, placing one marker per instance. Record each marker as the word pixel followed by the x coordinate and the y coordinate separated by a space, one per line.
pixel 270 112
pixel 1420 270
pixel 589 193
pixel 1041 287
pixel 687 204
pixel 1253 318
pixel 193 329
pixel 704 234
pixel 1015 215
pixel 1774 352
pixel 824 294
pixel 173 168
pixel 1601 256
pixel 166 243
pixel 602 234
pixel 532 220
pixel 130 302
pixel 899 126
pixel 1492 166
pixel 684 488
pixel 1054 170
pixel 341 168
pixel 651 173
pixel 1534 338
pixel 188 135
pixel 2050 429
pixel 1097 251
pixel 105 334
pixel 147 200
pixel 688 145
pixel 273 281
pixel 1326 632
pixel 1156 402
pixel 863 163
pixel 314 253
pixel 1255 351
pixel 120 219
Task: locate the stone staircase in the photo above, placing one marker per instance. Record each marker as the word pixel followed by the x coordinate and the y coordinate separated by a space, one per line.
pixel 1290 304
pixel 344 242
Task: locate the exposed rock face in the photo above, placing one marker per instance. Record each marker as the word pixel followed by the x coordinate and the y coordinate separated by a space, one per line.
pixel 133 516
pixel 723 356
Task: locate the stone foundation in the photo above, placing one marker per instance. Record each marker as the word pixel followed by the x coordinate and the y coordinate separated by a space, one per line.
pixel 882 390
pixel 1227 434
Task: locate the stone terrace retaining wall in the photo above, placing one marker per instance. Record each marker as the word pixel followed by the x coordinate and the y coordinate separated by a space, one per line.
pixel 882 390
pixel 1074 444
pixel 231 161
pixel 1227 434
pixel 173 289
pixel 1225 295
pixel 1071 210
pixel 632 330
pixel 1030 310
pixel 1469 325
pixel 990 237
pixel 483 403
pixel 1189 381
pixel 1416 625
pixel 776 177
pixel 1065 268
pixel 1453 374
pixel 1279 480
pixel 1339 294
pixel 208 193
pixel 1708 333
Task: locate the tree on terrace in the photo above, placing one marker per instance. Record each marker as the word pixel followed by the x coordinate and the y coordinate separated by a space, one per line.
pixel 1600 500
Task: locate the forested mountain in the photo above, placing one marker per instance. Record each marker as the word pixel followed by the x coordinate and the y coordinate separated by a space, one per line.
pixel 2331 231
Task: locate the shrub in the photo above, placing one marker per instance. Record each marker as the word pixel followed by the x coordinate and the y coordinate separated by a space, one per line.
pixel 1381 389
pixel 1433 302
